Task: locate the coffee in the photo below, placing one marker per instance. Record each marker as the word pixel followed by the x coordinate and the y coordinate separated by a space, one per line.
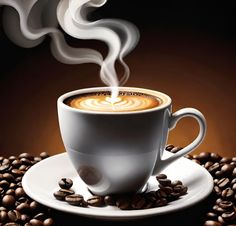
pixel 125 102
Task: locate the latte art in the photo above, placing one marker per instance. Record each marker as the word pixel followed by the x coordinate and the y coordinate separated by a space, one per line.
pixel 125 102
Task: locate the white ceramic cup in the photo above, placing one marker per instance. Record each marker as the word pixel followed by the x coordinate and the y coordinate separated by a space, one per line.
pixel 117 152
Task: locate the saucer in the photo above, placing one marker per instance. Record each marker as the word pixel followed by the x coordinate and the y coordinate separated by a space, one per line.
pixel 41 181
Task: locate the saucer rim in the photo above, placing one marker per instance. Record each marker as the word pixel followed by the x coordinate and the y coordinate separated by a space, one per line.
pixel 109 214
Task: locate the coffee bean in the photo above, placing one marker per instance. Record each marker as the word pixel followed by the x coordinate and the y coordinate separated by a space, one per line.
pixel 17 173
pixel 164 182
pixel 212 223
pixel 8 177
pixel 40 216
pixel 221 220
pixel 138 202
pixel 44 155
pixel 14 215
pixel 227 168
pixel 12 185
pixel 23 167
pixel 215 157
pixel 76 200
pixel 2 208
pixel 217 190
pixel 161 202
pixel 8 201
pixel 214 167
pixel 218 201
pixel 48 222
pixel 174 195
pixel 234 187
pixel 110 200
pixel 212 216
pixel 23 208
pixel 24 218
pixel 234 172
pixel 167 189
pixel 123 203
pixel 203 157
pixel 19 192
pixel 11 224
pixel 161 176
pixel 35 206
pixel 26 161
pixel 226 205
pixel 67 191
pixel 10 192
pixel 218 209
pixel 151 196
pixel 225 160
pixel 223 182
pixel 26 156
pixel 169 147
pixel 176 182
pixel 219 174
pixel 4 184
pixel 59 195
pixel 12 158
pixel 35 222
pixel 175 149
pixel 208 164
pixel 16 163
pixel 65 183
pixel 196 161
pixel 3 216
pixel 188 156
pixel 161 194
pixel 228 216
pixel 96 201
pixel 227 193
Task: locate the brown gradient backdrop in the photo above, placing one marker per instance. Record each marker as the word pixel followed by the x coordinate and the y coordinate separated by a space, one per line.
pixel 195 66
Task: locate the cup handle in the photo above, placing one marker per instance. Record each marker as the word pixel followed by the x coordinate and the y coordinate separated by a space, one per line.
pixel 174 118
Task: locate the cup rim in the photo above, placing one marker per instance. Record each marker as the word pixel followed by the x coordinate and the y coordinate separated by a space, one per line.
pixel 64 96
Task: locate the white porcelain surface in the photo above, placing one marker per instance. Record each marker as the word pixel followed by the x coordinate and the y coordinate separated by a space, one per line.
pixel 41 180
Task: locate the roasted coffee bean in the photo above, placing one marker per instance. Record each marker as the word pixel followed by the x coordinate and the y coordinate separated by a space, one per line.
pixel 26 156
pixel 161 176
pixel 2 208
pixel 11 224
pixel 167 189
pixel 217 190
pixel 1 191
pixel 23 208
pixel 234 172
pixel 176 182
pixel 8 177
pixel 196 161
pixel 188 156
pixel 23 167
pixel 227 168
pixel 24 218
pixel 221 220
pixel 208 164
pixel 3 216
pixel 12 185
pixel 173 196
pixel 23 200
pixel 59 195
pixel 226 205
pixel 161 202
pixel 138 202
pixel 16 163
pixel 40 216
pixel 110 200
pixel 161 194
pixel 14 215
pixel 214 167
pixel 212 216
pixel 35 222
pixel 35 206
pixel 184 190
pixel 169 147
pixel 26 161
pixel 96 201
pixel 65 183
pixel 227 193
pixel 234 187
pixel 76 200
pixel 229 216
pixel 19 192
pixel 215 157
pixel 10 192
pixel 67 191
pixel 223 182
pixel 48 222
pixel 212 223
pixel 225 160
pixel 219 174
pixel 12 158
pixel 164 182
pixel 218 201
pixel 123 203
pixel 8 201
pixel 151 196
pixel 218 209
pixel 37 159
pixel 203 157
pixel 4 184
pixel 17 173
pixel 44 155
pixel 175 149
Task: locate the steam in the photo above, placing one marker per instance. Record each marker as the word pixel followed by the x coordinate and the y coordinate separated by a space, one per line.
pixel 28 22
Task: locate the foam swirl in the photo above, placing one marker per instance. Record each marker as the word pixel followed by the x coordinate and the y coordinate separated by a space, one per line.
pixel 123 103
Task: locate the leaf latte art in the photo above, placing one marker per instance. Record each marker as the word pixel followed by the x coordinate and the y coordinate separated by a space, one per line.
pixel 123 103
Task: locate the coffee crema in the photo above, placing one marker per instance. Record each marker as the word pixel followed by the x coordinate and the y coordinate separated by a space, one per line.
pixel 102 102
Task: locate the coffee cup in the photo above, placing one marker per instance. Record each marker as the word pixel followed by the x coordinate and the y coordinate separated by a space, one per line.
pixel 116 145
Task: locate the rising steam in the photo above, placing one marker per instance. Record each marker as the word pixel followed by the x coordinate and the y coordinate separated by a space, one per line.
pixel 27 22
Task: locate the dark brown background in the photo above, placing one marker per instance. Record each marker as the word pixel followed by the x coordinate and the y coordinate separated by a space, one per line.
pixel 188 53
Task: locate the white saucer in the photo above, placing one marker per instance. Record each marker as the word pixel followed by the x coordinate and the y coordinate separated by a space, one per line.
pixel 41 180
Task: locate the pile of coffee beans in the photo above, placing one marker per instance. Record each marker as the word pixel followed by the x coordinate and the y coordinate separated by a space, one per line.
pixel 16 208
pixel 223 171
pixel 168 191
